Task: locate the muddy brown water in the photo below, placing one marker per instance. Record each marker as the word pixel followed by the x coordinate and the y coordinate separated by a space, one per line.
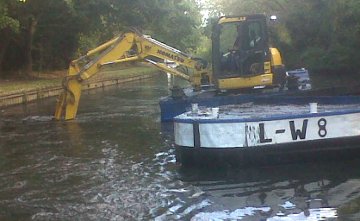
pixel 116 162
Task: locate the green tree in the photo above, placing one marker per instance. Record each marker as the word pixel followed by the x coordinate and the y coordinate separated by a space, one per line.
pixel 319 34
pixel 48 35
pixel 173 22
pixel 8 27
pixel 52 32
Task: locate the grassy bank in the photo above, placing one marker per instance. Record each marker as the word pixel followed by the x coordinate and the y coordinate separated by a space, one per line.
pixel 53 79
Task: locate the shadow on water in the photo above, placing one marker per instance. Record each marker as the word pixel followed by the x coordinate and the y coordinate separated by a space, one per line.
pixel 312 191
pixel 117 162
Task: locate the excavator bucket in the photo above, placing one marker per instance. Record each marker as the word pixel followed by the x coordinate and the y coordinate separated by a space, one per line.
pixel 68 101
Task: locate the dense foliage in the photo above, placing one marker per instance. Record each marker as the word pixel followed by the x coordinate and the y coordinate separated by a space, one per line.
pixel 47 34
pixel 322 35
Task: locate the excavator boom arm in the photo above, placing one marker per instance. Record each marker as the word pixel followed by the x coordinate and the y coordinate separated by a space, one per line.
pixel 131 46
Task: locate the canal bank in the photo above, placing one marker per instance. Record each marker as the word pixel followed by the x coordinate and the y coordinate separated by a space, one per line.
pixel 23 92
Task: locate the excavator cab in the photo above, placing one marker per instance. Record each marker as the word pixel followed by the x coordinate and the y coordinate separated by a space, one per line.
pixel 241 54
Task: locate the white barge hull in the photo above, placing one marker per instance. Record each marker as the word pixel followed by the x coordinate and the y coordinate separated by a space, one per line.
pixel 261 133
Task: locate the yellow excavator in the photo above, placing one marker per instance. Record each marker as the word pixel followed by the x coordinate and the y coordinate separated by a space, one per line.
pixel 241 59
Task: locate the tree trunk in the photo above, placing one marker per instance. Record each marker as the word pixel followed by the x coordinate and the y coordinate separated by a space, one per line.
pixel 29 44
pixel 3 45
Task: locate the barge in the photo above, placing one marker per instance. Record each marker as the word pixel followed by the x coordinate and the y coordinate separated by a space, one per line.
pixel 267 130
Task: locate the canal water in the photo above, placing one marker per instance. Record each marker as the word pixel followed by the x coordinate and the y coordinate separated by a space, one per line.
pixel 116 162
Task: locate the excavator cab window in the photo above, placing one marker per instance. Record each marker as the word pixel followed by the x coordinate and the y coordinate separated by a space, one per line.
pixel 254 36
pixel 240 48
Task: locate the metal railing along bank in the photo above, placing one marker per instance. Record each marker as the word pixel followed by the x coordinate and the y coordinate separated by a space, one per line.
pixel 25 97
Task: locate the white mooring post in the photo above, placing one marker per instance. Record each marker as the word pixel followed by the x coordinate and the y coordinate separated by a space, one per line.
pixel 195 108
pixel 313 108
